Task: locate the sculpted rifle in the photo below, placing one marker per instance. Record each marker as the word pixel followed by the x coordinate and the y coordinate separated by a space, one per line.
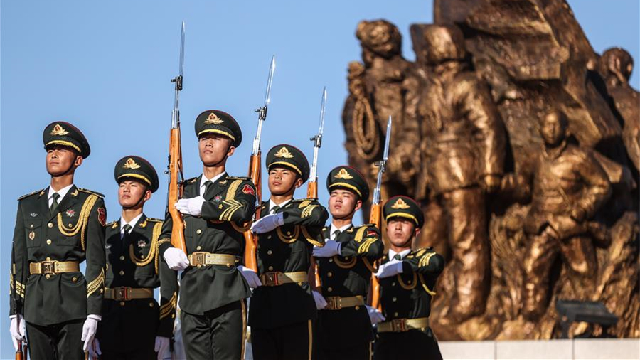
pixel 375 215
pixel 255 173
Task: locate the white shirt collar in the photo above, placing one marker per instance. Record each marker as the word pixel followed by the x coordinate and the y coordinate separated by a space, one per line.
pixel 333 229
pixel 133 222
pixel 402 253
pixel 272 204
pixel 62 193
pixel 204 179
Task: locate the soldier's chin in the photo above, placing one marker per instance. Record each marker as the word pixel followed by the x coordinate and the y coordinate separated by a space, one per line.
pixel 56 171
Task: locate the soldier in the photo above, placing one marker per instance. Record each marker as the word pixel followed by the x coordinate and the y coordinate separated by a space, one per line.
pixel 463 147
pixel 569 186
pixel 133 325
pixel 345 262
pixel 56 229
pixel 283 309
pixel 407 280
pixel 216 206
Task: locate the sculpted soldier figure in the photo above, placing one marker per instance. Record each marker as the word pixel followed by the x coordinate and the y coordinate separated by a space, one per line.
pixel 345 263
pixel 215 206
pixel 282 314
pixel 463 146
pixel 56 229
pixel 133 325
pixel 407 282
pixel 569 186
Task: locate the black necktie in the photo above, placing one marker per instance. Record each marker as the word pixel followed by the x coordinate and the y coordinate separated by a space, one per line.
pixel 336 233
pixel 54 203
pixel 207 186
pixel 274 209
pixel 397 257
pixel 127 230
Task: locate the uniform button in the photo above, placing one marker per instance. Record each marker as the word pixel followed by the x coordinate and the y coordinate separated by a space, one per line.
pixel 198 247
pixel 270 268
pixel 50 225
pixel 395 313
pixel 198 231
pixel 394 299
pixel 48 241
pixel 220 206
pixel 48 276
pixel 329 289
pixel 269 252
pixel 357 307
pixel 101 290
pixel 74 279
pixel 409 282
pixel 70 225
pixel 150 304
pixel 269 236
pixel 331 260
pixel 393 283
pixel 121 257
pixel 32 226
pixel 121 272
pixel 121 303
pixel 329 274
pixel 173 316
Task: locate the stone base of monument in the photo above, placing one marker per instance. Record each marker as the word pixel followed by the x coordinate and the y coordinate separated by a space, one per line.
pixel 542 349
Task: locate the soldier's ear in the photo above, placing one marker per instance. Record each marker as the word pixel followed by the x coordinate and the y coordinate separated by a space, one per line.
pixel 147 195
pixel 358 205
pixel 416 232
pixel 298 182
pixel 78 161
pixel 231 150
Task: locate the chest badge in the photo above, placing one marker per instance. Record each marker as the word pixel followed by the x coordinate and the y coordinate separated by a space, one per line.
pixel 217 198
pixel 33 214
pixel 32 235
pixel 142 244
pixel 70 213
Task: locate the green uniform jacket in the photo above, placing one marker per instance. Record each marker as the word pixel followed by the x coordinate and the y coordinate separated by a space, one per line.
pixel 229 204
pixel 287 249
pixel 73 232
pixel 408 295
pixel 135 261
pixel 348 275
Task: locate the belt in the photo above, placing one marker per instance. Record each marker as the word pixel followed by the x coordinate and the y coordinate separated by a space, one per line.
pixel 52 267
pixel 200 259
pixel 337 303
pixel 401 325
pixel 278 278
pixel 127 293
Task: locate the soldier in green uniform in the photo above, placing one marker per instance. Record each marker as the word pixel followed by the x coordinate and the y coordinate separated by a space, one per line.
pixel 407 279
pixel 56 229
pixel 283 308
pixel 345 262
pixel 133 326
pixel 215 206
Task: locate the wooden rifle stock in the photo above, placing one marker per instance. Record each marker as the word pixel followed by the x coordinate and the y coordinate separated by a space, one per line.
pixel 312 193
pixel 251 239
pixel 175 190
pixel 375 217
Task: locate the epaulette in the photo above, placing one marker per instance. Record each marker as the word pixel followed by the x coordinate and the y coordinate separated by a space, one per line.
pixel 91 192
pixel 420 252
pixel 192 180
pixel 31 193
pixel 114 222
pixel 154 220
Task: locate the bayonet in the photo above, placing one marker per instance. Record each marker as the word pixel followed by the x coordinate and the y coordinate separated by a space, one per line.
pixel 317 139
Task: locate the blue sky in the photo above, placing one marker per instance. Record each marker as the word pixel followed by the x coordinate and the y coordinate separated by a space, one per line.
pixel 105 66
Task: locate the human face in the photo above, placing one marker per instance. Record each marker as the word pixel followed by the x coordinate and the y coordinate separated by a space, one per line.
pixel 130 192
pixel 61 159
pixel 283 180
pixel 343 203
pixel 552 129
pixel 400 231
pixel 214 148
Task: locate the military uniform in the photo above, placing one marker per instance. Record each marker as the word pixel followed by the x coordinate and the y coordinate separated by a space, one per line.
pixel 212 290
pixel 48 246
pixel 283 311
pixel 406 297
pixel 344 328
pixel 131 316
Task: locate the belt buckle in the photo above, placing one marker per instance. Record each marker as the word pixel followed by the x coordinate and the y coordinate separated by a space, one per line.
pixel 48 267
pixel 120 294
pixel 399 325
pixel 334 303
pixel 199 258
pixel 271 278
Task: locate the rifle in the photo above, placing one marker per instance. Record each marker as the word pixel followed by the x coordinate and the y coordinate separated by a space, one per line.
pixel 175 160
pixel 312 189
pixel 375 214
pixel 255 173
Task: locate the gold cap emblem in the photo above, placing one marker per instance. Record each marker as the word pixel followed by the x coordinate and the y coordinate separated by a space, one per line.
pixel 213 119
pixel 400 204
pixel 284 152
pixel 343 174
pixel 59 130
pixel 131 164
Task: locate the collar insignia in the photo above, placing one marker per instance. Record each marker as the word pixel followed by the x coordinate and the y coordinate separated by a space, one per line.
pixel 400 204
pixel 59 130
pixel 284 152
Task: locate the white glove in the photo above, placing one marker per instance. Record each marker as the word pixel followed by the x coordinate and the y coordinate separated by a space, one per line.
pixel 330 248
pixel 321 303
pixel 389 269
pixel 251 277
pixel 162 343
pixel 268 223
pixel 191 206
pixel 176 259
pixel 18 332
pixel 94 350
pixel 89 331
pixel 375 316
